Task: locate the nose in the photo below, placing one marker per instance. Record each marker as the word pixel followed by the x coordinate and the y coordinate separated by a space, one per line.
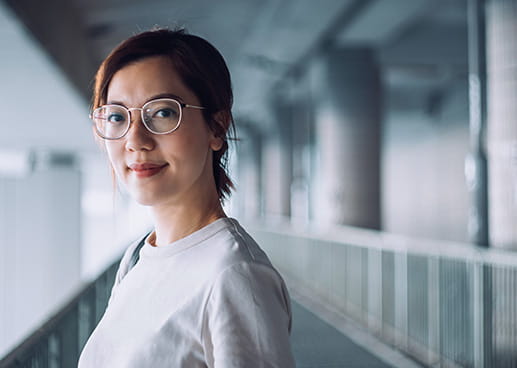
pixel 138 138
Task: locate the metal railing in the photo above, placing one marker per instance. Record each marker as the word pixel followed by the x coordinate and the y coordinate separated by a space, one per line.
pixel 445 304
pixel 59 341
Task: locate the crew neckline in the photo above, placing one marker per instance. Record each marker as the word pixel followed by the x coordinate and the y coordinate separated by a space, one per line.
pixel 188 241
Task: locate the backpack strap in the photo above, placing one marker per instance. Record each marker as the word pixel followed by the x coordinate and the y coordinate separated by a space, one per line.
pixel 136 253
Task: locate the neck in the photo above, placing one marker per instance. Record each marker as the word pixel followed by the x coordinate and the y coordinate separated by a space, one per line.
pixel 175 221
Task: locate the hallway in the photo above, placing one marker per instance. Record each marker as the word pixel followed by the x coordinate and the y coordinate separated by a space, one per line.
pixel 316 344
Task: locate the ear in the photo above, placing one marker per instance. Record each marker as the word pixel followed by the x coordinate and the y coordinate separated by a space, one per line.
pixel 219 131
pixel 216 143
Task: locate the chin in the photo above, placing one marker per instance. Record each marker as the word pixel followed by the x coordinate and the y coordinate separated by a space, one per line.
pixel 145 200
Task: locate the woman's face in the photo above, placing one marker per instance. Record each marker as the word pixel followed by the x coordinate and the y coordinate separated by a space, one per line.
pixel 159 169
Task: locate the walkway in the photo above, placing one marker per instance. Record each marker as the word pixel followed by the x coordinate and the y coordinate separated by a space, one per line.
pixel 316 344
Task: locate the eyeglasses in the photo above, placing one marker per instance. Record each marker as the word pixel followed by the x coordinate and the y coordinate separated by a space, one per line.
pixel 160 116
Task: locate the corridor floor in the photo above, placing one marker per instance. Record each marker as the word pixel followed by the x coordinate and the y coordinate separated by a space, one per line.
pixel 316 344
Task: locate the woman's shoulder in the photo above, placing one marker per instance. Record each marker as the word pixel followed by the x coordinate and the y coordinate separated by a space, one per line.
pixel 237 259
pixel 236 245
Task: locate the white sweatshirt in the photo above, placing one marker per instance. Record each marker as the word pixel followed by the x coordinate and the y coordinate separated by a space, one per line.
pixel 211 299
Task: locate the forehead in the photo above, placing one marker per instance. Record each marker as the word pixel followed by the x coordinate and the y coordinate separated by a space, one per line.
pixel 138 82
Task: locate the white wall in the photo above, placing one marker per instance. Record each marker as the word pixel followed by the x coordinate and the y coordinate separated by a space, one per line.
pixel 58 226
pixel 40 108
pixel 40 233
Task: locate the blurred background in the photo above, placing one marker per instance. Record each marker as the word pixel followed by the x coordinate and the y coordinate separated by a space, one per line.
pixel 377 166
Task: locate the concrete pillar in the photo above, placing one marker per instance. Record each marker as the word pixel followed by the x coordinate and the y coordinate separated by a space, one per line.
pixel 248 180
pixel 501 28
pixel 347 113
pixel 301 156
pixel 476 164
pixel 277 163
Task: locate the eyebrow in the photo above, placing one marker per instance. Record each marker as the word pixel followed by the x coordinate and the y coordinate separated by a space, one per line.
pixel 155 97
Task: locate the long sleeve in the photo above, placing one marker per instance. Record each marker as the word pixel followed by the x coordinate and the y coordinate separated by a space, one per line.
pixel 248 319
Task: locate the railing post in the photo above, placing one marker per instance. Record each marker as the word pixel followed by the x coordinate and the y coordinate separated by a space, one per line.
pixel 54 356
pixel 69 333
pixel 374 291
pixel 401 300
pixel 482 302
pixel 433 285
pixel 86 317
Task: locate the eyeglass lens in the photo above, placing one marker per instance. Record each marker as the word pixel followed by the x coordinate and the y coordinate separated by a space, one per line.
pixel 159 116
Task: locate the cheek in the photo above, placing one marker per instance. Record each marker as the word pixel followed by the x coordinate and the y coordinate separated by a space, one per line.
pixel 114 156
pixel 188 153
pixel 197 147
pixel 190 143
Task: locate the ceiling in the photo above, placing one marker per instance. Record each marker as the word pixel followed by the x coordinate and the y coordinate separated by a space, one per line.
pixel 421 43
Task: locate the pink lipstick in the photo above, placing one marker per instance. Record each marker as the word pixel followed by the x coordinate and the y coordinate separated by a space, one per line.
pixel 146 170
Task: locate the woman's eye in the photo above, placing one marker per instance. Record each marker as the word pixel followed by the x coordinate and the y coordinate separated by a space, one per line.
pixel 116 118
pixel 165 113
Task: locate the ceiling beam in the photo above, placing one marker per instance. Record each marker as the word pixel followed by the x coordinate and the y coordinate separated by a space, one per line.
pixel 381 21
pixel 57 26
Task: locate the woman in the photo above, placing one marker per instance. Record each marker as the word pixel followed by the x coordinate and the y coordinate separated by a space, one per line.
pixel 203 294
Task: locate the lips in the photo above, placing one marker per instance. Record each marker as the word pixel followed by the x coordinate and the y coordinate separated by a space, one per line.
pixel 146 169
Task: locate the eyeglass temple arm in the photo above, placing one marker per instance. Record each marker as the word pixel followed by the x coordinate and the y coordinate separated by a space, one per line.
pixel 192 106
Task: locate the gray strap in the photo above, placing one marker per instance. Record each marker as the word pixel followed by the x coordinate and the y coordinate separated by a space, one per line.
pixel 136 253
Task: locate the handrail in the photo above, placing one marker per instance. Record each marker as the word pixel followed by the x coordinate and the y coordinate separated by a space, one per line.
pixel 446 304
pixel 13 357
pixel 59 340
pixel 381 240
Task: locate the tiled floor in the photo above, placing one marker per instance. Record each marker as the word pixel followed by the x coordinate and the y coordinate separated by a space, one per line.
pixel 316 344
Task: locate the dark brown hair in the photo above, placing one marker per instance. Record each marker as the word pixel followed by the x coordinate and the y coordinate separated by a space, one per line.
pixel 201 68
